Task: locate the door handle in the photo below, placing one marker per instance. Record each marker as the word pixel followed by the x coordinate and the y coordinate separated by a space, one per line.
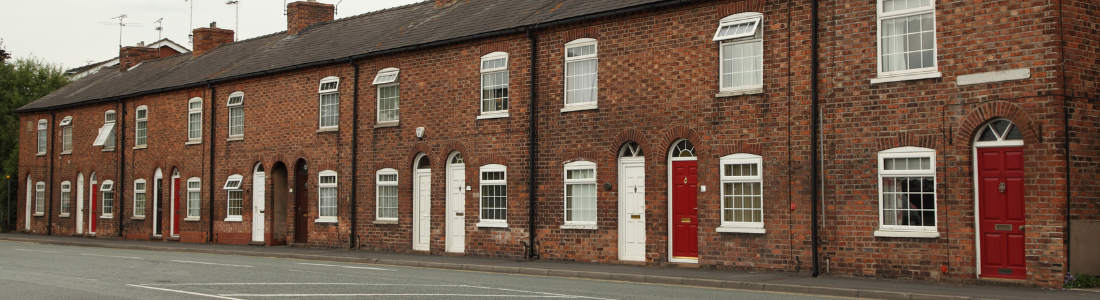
pixel 1002 187
pixel 1021 227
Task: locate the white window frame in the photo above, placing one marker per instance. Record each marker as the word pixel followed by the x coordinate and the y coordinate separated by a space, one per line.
pixel 754 38
pixel 106 135
pixel 501 113
pixel 141 127
pixel 140 187
pixel 492 168
pixel 565 76
pixel 911 74
pixel 741 159
pixel 40 198
pixel 235 103
pixel 381 81
pixel 43 137
pixel 322 92
pixel 67 135
pixel 66 198
pixel 194 131
pixel 194 208
pixel 323 186
pixel 580 165
pixel 107 199
pixel 233 186
pixel 907 230
pixel 378 195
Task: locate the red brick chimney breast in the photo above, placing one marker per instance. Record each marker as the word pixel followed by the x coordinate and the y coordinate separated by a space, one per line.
pixel 128 57
pixel 300 15
pixel 207 39
pixel 444 3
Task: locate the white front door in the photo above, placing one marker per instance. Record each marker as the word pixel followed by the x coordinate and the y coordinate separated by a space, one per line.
pixel 422 213
pixel 632 209
pixel 80 203
pixel 258 206
pixel 456 208
pixel 30 194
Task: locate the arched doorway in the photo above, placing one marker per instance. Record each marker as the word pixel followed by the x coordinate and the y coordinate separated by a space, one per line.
pixel 158 192
pixel 30 205
pixel 632 203
pixel 456 203
pixel 422 203
pixel 279 193
pixel 80 203
pixel 999 200
pixel 683 185
pixel 174 224
pixel 93 204
pixel 258 202
pixel 301 202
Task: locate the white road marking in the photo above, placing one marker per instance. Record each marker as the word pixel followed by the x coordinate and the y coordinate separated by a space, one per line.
pixel 385 295
pixel 540 294
pixel 28 250
pixel 100 255
pixel 209 263
pixel 184 292
pixel 346 267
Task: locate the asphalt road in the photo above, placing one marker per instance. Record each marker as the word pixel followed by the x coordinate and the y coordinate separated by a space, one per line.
pixel 34 271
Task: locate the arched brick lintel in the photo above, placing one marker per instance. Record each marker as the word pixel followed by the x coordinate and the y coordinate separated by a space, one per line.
pixel 968 127
pixel 680 132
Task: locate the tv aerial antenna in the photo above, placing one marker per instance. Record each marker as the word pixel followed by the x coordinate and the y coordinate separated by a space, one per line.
pixel 121 25
pixel 236 17
pixel 160 28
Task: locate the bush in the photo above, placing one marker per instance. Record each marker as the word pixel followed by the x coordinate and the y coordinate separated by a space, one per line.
pixel 1081 281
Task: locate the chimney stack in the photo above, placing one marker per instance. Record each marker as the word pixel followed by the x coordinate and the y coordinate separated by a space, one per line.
pixel 302 14
pixel 207 39
pixel 128 57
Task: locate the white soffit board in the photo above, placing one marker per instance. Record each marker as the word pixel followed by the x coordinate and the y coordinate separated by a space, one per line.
pixel 996 76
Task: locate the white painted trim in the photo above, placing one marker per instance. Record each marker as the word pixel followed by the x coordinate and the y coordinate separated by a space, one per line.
pixel 682 260
pixel 739 92
pixel 916 76
pixel 579 107
pixel 734 229
pixel 578 226
pixel 492 224
pixel 493 115
pixel 907 234
pixel 326 220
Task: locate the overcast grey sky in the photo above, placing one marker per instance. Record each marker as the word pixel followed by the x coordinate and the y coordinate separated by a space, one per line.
pixel 72 33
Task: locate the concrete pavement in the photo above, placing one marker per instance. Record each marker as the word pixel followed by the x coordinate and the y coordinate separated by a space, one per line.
pixel 779 282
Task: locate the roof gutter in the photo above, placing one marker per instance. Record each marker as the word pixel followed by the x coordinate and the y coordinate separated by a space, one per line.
pixel 510 31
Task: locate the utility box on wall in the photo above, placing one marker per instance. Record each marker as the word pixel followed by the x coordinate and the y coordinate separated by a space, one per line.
pixel 1084 240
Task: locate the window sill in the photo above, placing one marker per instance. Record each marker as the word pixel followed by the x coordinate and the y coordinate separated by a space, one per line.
pixel 494 115
pixel 235 138
pixel 138 218
pixel 385 222
pixel 328 129
pixel 40 154
pixel 907 234
pixel 740 230
pixel 140 147
pixel 193 143
pixel 107 216
pixel 579 107
pixel 234 219
pixel 66 153
pixel 484 224
pixel 749 91
pixel 584 227
pixel 907 77
pixel 387 124
pixel 39 214
pixel 108 149
pixel 192 219
pixel 63 216
pixel 326 220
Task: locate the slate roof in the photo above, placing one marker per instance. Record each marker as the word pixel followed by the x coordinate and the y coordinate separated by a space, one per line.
pixel 376 32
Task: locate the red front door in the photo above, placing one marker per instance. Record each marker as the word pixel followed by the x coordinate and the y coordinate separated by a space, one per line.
pixel 685 215
pixel 1001 208
pixel 93 216
pixel 176 206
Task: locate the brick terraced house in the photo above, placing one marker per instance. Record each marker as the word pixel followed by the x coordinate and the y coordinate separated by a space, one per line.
pixel 911 139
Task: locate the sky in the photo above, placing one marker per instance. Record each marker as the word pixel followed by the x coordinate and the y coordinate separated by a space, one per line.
pixel 73 33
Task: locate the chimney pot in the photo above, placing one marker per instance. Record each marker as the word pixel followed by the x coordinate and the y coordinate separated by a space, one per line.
pixel 303 14
pixel 213 24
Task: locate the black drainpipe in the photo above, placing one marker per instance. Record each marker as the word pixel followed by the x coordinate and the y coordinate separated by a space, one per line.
pixel 532 144
pixel 49 150
pixel 213 132
pixel 1066 97
pixel 120 187
pixel 813 137
pixel 354 153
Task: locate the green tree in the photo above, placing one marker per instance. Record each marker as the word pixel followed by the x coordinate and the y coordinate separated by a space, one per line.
pixel 21 81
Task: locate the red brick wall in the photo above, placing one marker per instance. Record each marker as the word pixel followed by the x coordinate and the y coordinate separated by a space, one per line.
pixel 207 39
pixel 132 56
